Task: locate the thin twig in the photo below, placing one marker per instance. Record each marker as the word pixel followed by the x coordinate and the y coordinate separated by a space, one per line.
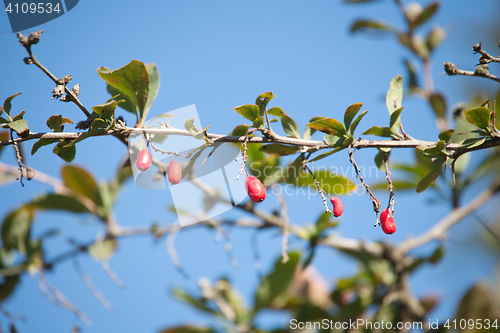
pixel 286 221
pixel 244 157
pixel 488 229
pixel 55 296
pixel 19 158
pixel 87 280
pixel 389 181
pixel 318 186
pixel 172 252
pixel 111 273
pixel 485 58
pixel 12 316
pixel 164 151
pixel 375 201
pixel 451 69
pixel 439 230
pixel 72 96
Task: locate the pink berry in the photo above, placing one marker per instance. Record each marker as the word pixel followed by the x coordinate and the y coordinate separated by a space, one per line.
pixel 256 191
pixel 338 207
pixel 174 172
pixel 387 221
pixel 143 160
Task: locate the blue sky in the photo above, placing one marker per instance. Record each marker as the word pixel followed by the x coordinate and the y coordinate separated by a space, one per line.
pixel 218 55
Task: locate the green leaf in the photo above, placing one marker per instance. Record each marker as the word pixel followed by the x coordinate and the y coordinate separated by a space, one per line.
pixel 16 229
pixel 65 150
pixel 479 117
pixel 276 111
pixel 394 98
pixel 446 135
pixel 323 155
pixel 4 136
pixel 17 125
pixel 193 301
pixel 328 126
pixel 355 123
pixel 426 14
pixel 58 202
pixel 259 122
pixel 154 86
pixel 8 284
pixel 333 140
pixel 240 130
pixel 473 142
pixel 131 80
pixel 429 179
pixel 438 104
pixel 329 181
pixel 276 282
pixel 350 113
pixel 249 111
pixel 278 149
pixel 290 126
pixel 19 116
pixel 7 104
pixel 40 143
pixel 187 169
pixel 379 159
pixel 103 249
pixel 106 111
pixel 434 38
pixel 399 185
pixel 125 103
pixel 379 131
pixel 395 120
pixel 188 329
pixel 194 131
pixel 370 26
pixel 436 255
pixel 439 149
pixel 262 101
pixel 308 132
pixel 97 127
pixel 80 181
pixel 412 73
pixel 56 122
pixel 476 303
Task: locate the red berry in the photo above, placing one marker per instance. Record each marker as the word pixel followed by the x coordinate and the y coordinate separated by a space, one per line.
pixel 338 207
pixel 255 189
pixel 174 172
pixel 387 221
pixel 143 160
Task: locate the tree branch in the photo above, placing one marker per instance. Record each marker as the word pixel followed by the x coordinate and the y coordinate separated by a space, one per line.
pixel 439 230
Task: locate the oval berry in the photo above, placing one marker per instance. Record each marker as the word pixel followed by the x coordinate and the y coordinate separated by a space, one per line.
pixel 174 172
pixel 143 160
pixel 387 221
pixel 338 207
pixel 256 191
